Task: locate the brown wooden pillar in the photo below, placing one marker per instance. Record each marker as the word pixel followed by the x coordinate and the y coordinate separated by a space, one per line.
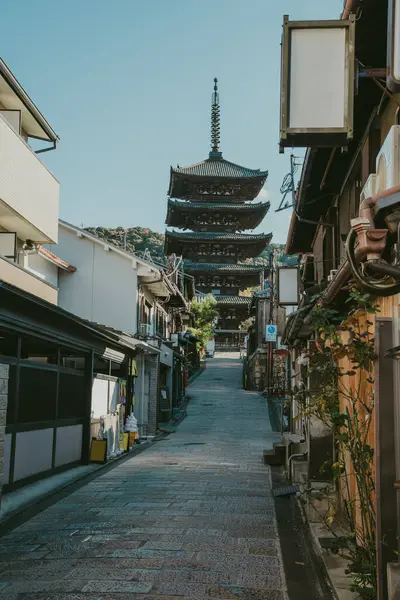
pixel 386 506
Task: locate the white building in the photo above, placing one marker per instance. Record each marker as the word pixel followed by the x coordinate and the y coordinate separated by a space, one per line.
pixel 29 192
pixel 46 354
pixel 124 293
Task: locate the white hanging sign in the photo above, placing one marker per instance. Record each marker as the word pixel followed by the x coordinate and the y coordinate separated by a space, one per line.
pixel 393 73
pixel 317 83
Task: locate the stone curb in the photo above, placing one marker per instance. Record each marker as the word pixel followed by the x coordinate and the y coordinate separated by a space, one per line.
pixel 339 593
pixel 6 521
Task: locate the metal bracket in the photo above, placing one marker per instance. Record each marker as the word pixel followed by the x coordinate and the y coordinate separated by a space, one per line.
pixel 288 186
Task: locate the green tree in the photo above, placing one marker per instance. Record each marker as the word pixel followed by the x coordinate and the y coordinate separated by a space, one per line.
pixel 205 312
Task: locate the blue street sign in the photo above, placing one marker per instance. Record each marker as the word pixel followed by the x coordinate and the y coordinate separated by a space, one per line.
pixel 271 333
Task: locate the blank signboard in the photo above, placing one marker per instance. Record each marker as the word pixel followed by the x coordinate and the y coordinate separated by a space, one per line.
pixel 393 54
pixel 396 41
pixel 288 286
pixel 318 78
pixel 317 83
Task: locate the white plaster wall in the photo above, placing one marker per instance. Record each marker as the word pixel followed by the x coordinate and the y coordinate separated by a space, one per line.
pixel 104 287
pixel 99 398
pixel 33 452
pixel 27 186
pixel 24 280
pixel 42 268
pixel 7 457
pixel 68 444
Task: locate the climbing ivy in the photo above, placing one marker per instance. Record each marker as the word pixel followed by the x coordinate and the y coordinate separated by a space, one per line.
pixel 344 345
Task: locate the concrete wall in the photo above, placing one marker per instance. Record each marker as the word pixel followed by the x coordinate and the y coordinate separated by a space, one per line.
pixel 42 268
pixel 104 287
pixel 22 279
pixel 28 188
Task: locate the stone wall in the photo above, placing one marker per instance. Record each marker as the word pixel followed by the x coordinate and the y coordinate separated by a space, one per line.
pixel 257 370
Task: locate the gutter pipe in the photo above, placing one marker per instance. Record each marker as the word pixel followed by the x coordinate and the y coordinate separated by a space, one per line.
pixel 348 8
pixel 365 212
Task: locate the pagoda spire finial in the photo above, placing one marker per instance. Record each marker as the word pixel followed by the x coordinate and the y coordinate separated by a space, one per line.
pixel 215 122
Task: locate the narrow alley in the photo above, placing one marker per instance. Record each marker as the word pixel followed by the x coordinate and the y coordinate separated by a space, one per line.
pixel 191 517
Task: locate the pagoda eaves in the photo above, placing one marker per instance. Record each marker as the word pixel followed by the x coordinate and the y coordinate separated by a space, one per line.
pixel 225 215
pixel 215 179
pixel 236 246
pixel 233 300
pixel 224 268
pixel 225 277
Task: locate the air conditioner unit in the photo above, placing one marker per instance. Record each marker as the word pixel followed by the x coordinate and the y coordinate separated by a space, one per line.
pixel 369 188
pixel 388 161
pixel 144 329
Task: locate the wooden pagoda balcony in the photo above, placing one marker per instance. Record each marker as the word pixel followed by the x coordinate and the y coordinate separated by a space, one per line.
pixel 217 216
pixel 238 246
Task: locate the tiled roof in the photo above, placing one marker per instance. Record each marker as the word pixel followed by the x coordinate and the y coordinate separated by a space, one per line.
pixel 203 235
pixel 244 300
pixel 219 167
pixel 220 267
pixel 55 259
pixel 248 206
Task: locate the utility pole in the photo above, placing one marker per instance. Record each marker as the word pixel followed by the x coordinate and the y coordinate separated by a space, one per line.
pixel 270 348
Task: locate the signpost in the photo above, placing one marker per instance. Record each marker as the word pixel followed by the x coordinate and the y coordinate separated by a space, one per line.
pixel 271 333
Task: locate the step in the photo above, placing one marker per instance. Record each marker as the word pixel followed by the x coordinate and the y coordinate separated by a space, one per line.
pixel 272 458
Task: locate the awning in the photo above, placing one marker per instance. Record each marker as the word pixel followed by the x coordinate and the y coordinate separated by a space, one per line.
pixel 137 344
pixel 113 355
pixel 14 97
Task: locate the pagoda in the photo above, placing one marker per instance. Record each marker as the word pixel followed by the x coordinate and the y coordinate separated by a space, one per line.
pixel 211 202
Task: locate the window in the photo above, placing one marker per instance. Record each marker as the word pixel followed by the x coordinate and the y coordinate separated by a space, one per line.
pixel 37 395
pixel 72 396
pixel 12 389
pixel 39 351
pixel 8 345
pixel 70 359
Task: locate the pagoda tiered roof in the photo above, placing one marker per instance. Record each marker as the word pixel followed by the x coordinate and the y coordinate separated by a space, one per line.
pixel 224 268
pixel 216 178
pixel 233 300
pixel 211 202
pixel 225 276
pixel 214 244
pixel 193 215
pixel 217 167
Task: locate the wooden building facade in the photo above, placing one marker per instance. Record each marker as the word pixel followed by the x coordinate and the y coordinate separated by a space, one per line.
pixel 345 194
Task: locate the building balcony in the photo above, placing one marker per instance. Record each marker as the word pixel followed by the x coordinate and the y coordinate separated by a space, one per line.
pixel 29 193
pixel 13 274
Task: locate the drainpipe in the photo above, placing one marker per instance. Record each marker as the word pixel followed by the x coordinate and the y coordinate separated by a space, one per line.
pixel 334 286
pixel 349 7
pixel 365 213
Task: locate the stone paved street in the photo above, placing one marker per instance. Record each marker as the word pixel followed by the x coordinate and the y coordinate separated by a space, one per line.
pixel 192 517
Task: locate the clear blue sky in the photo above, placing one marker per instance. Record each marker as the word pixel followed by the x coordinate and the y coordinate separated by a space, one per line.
pixel 127 86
